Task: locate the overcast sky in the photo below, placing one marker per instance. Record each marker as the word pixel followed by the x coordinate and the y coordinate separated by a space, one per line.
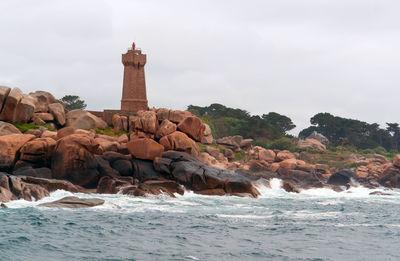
pixel 294 57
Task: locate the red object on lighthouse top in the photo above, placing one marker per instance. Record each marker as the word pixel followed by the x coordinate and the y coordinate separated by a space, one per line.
pixel 133 45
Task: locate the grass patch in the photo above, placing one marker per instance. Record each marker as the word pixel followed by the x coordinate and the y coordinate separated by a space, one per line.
pixel 109 131
pixel 23 127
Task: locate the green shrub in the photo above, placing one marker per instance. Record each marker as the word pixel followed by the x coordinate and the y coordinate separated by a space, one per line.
pixel 283 143
pixel 23 127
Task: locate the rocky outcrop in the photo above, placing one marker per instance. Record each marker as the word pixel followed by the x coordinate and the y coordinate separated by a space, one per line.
pixel 24 109
pixel 208 137
pixel 232 142
pixel 166 128
pixel 43 99
pixel 284 154
pixel 9 112
pixel 192 173
pixel 178 116
pixel 9 146
pixel 38 151
pixel 79 119
pixel 145 148
pixel 311 143
pixel 179 141
pixel 193 127
pixel 341 178
pixel 57 110
pixel 259 153
pixel 146 121
pixel 7 129
pixel 73 202
pixel 4 91
pixel 73 159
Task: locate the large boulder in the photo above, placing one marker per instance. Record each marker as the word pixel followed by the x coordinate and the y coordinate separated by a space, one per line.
pixel 230 141
pixel 4 91
pixel 145 121
pixel 396 160
pixel 259 153
pixel 74 160
pixel 44 116
pixel 162 114
pixel 25 109
pixel 43 99
pixel 107 145
pixel 7 129
pixel 193 127
pixel 284 154
pixel 33 172
pixel 199 177
pixel 38 151
pixel 208 137
pixel 57 109
pixel 74 202
pixel 120 122
pixel 145 170
pixel 9 112
pixel 145 148
pixel 179 141
pixel 390 177
pixel 311 143
pixel 51 184
pixel 177 116
pixel 79 119
pixel 299 178
pixel 166 128
pixel 9 146
pixel 154 187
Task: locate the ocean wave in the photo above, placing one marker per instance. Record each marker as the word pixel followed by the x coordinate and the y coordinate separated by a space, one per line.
pixel 190 200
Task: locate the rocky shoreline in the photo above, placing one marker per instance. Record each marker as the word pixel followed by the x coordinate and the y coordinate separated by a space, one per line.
pixel 157 153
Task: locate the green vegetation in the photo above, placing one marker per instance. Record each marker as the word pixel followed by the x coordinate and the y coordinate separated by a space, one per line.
pixel 23 127
pixel 284 143
pixel 225 121
pixel 347 136
pixel 348 132
pixel 73 102
pixel 109 131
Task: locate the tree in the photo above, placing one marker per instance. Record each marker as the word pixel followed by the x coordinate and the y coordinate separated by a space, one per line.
pixel 230 121
pixel 394 130
pixel 277 119
pixel 362 135
pixel 73 102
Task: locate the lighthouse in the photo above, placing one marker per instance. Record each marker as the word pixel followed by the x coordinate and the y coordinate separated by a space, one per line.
pixel 134 96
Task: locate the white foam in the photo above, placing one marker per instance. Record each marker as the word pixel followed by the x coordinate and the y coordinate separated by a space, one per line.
pixel 243 216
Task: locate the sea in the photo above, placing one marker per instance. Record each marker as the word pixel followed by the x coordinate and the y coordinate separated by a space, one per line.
pixel 317 224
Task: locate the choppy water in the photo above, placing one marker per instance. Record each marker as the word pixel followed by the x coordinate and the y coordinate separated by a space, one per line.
pixel 318 224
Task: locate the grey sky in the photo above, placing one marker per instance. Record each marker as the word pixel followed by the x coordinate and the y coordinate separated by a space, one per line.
pixel 295 57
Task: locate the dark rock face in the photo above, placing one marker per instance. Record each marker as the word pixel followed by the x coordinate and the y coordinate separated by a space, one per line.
pixel 29 171
pixel 341 178
pixel 301 178
pixel 154 187
pixel 192 173
pixel 74 202
pixel 52 184
pixel 144 170
pixel 124 167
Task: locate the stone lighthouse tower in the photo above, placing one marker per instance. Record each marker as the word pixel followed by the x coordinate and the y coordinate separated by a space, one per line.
pixel 134 96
